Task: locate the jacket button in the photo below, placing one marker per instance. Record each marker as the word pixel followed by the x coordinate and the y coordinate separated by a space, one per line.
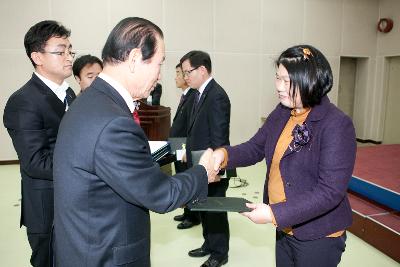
pixel 288 184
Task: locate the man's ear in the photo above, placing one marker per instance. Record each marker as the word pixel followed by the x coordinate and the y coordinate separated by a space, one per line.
pixel 77 79
pixel 133 59
pixel 37 58
pixel 204 70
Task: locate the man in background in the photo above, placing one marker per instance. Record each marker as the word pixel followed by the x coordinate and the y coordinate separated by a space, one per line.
pixel 208 127
pixel 154 99
pixel 32 116
pixel 179 128
pixel 156 95
pixel 85 69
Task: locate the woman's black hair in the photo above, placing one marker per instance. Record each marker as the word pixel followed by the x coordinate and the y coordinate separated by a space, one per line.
pixel 309 72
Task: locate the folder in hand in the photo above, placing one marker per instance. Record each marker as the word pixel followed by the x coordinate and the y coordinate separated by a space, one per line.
pixel 221 204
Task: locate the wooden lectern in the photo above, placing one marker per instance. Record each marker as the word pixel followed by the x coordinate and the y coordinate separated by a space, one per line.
pixel 155 121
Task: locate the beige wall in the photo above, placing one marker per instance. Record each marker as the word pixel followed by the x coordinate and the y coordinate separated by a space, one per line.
pixel 387 45
pixel 243 38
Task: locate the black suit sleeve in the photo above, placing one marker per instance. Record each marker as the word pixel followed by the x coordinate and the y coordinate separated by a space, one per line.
pixel 26 128
pixel 123 161
pixel 219 120
pixel 156 95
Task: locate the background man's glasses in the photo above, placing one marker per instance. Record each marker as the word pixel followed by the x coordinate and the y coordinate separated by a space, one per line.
pixel 61 54
pixel 187 72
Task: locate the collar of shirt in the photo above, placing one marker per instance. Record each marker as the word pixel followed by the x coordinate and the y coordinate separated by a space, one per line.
pixel 59 90
pixel 186 91
pixel 203 86
pixel 120 89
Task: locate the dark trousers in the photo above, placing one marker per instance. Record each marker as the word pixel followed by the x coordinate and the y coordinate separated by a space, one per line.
pixel 41 249
pixel 291 252
pixel 215 224
pixel 192 216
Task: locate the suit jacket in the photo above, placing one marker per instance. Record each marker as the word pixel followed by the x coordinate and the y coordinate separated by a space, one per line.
pixel 32 116
pixel 182 116
pixel 315 178
pixel 105 183
pixel 209 125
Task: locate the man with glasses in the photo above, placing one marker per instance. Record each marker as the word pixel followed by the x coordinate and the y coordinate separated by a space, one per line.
pixel 32 116
pixel 209 127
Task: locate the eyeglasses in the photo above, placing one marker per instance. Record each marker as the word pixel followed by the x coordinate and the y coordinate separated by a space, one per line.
pixel 61 54
pixel 187 72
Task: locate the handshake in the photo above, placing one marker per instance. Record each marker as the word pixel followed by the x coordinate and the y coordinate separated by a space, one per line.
pixel 212 161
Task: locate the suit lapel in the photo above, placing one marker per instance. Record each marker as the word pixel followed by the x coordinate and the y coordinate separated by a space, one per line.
pixel 107 89
pixel 51 98
pixel 185 99
pixel 196 108
pixel 179 107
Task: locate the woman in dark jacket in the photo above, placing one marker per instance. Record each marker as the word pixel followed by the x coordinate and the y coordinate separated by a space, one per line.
pixel 309 146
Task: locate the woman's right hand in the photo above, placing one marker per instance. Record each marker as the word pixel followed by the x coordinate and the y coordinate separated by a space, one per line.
pixel 219 158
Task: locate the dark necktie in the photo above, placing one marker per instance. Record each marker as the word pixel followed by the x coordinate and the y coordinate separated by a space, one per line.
pixel 66 104
pixel 182 99
pixel 196 101
pixel 197 97
pixel 69 98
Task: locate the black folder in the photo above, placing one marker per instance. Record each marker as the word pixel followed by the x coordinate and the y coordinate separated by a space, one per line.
pixel 176 143
pixel 221 204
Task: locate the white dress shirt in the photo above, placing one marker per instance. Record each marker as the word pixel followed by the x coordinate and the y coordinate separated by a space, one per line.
pixel 186 91
pixel 203 86
pixel 59 90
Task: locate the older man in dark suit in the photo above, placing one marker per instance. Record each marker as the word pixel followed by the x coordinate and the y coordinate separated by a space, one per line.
pixel 32 116
pixel 106 181
pixel 209 127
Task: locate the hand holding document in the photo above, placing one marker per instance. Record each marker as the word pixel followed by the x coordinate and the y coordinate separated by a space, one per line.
pixel 178 147
pixel 260 213
pixel 181 153
pixel 183 158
